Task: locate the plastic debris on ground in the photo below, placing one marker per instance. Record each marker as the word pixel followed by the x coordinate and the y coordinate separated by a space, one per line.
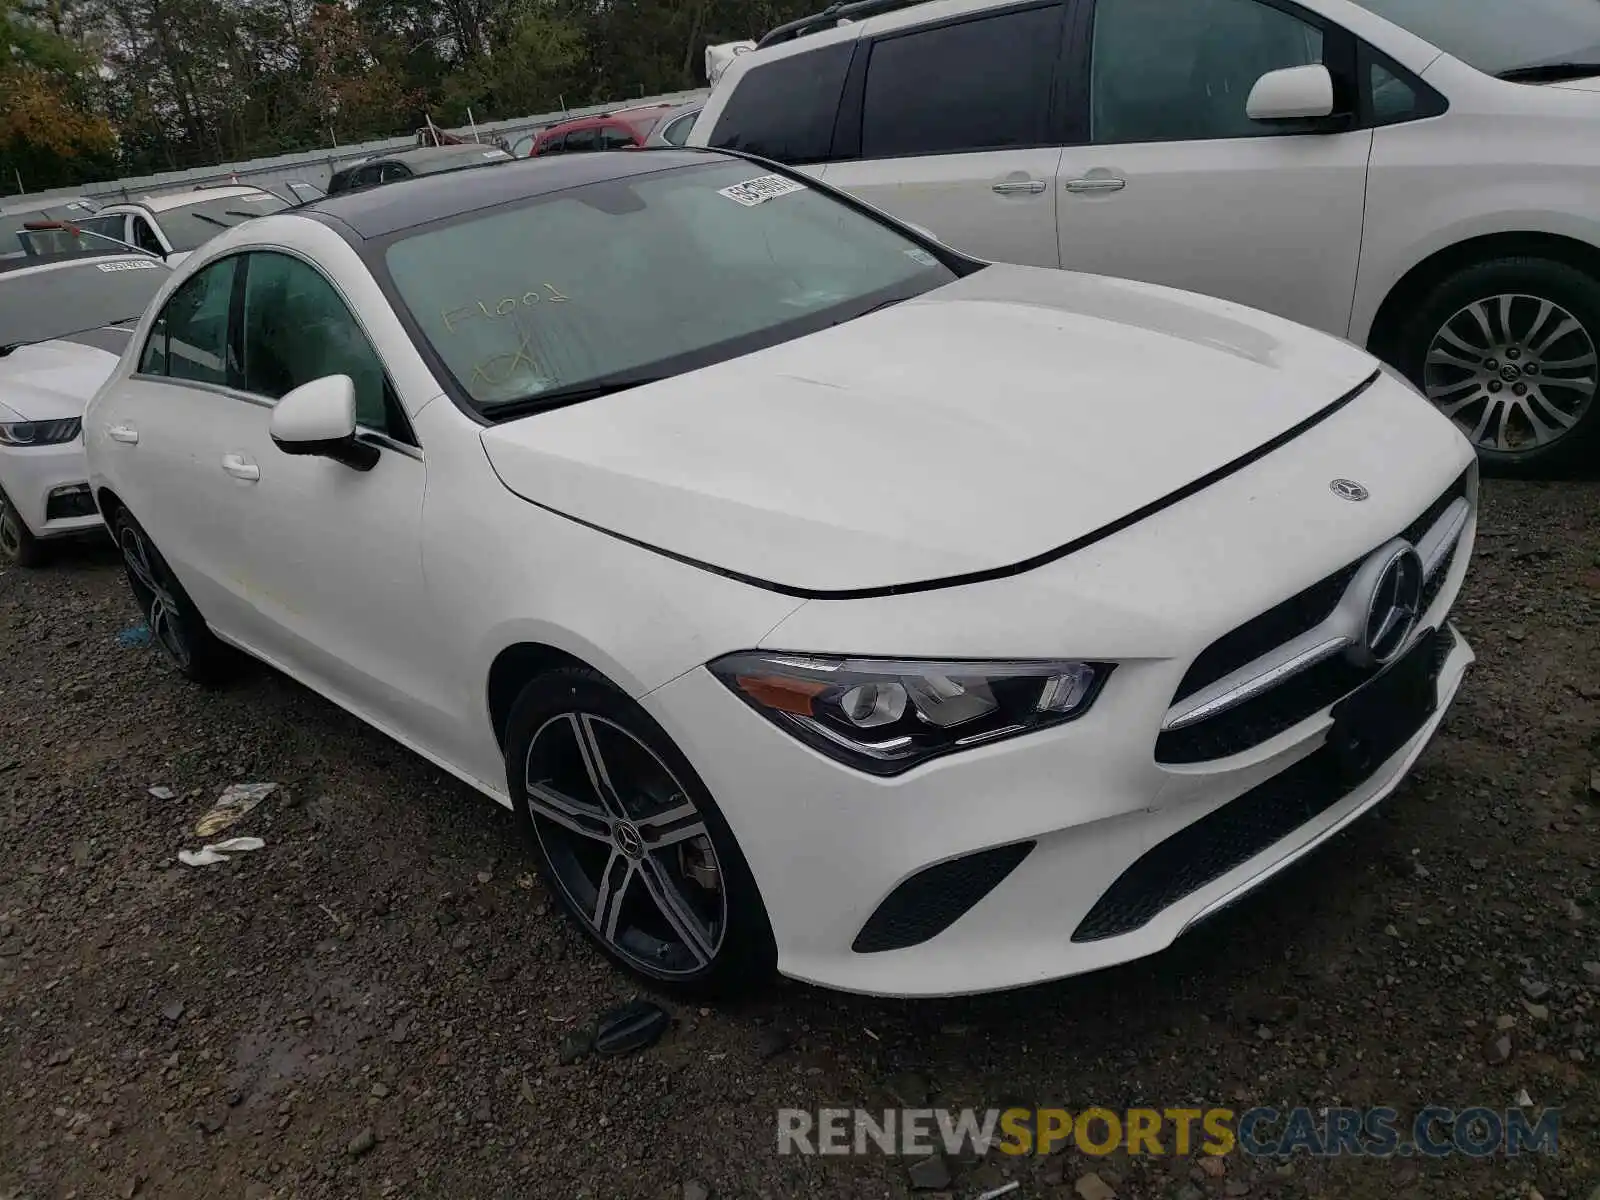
pixel 163 793
pixel 134 637
pixel 634 1026
pixel 237 800
pixel 219 851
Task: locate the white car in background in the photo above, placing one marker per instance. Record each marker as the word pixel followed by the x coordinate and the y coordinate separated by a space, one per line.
pixel 849 621
pixel 64 319
pixel 1419 176
pixel 175 224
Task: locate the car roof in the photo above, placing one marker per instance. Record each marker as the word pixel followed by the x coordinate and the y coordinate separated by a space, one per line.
pixel 438 158
pixel 380 211
pixel 66 258
pixel 26 204
pixel 171 200
pixel 638 119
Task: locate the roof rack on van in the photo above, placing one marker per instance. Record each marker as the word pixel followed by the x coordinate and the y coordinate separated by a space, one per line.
pixel 832 15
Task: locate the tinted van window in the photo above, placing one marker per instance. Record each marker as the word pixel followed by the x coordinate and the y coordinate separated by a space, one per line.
pixel 993 83
pixel 785 109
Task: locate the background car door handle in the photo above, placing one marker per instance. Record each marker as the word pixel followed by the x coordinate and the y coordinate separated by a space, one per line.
pixel 1101 183
pixel 240 467
pixel 1010 187
pixel 123 433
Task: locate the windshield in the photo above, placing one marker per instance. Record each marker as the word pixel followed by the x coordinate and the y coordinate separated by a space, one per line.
pixel 195 224
pixel 1501 37
pixel 645 276
pixel 11 223
pixel 47 302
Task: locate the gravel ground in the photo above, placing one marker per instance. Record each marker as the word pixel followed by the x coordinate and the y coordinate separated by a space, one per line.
pixel 375 1004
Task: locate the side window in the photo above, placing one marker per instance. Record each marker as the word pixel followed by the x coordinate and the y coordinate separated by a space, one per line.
pixel 994 82
pixel 189 339
pixel 366 177
pixel 677 132
pixel 1394 95
pixel 582 139
pixel 1166 72
pixel 785 109
pixel 145 238
pixel 390 172
pixel 615 137
pixel 114 226
pixel 296 329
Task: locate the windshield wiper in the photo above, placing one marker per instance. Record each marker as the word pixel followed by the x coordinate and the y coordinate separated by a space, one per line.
pixel 8 347
pixel 872 308
pixel 210 220
pixel 1550 72
pixel 576 394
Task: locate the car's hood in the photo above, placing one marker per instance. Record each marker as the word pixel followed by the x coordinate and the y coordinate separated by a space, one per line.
pixel 48 380
pixel 973 428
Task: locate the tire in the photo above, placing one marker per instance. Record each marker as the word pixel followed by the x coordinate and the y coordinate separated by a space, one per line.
pixel 682 914
pixel 1525 396
pixel 176 626
pixel 18 546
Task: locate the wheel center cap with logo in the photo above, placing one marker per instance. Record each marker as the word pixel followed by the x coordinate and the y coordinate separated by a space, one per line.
pixel 628 839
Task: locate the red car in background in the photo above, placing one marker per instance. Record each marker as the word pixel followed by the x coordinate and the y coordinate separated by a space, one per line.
pixel 622 130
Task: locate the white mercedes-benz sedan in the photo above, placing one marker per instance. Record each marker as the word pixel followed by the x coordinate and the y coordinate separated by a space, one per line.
pixel 822 600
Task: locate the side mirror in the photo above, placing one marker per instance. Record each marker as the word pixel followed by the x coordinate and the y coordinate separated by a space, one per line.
pixel 1292 94
pixel 320 418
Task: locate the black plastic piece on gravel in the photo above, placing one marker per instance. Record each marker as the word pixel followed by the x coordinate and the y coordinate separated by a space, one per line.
pixel 635 1026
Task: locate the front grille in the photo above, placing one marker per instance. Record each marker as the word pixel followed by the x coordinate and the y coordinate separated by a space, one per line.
pixel 1302 695
pixel 1235 833
pixel 932 900
pixel 1267 715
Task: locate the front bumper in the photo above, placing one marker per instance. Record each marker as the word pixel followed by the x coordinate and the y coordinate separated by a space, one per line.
pixel 29 474
pixel 828 845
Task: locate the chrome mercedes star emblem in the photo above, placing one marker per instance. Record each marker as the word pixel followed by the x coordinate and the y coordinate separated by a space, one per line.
pixel 628 840
pixel 1394 606
pixel 1348 489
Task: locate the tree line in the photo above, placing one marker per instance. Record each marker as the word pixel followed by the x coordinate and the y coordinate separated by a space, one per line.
pixel 95 90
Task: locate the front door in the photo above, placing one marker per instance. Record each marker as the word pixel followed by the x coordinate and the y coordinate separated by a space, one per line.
pixel 1179 187
pixel 960 131
pixel 327 559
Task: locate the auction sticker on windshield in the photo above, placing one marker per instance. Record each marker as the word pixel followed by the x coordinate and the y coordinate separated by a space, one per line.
pixel 138 264
pixel 758 191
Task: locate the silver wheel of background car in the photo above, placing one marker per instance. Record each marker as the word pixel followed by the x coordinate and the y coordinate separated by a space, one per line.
pixel 153 591
pixel 626 843
pixel 1514 372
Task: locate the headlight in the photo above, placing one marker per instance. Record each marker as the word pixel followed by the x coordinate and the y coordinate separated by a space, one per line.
pixel 40 433
pixel 888 715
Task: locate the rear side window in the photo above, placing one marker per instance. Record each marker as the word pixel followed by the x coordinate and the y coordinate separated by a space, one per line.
pixel 980 85
pixel 785 109
pixel 615 137
pixel 189 339
pixel 580 141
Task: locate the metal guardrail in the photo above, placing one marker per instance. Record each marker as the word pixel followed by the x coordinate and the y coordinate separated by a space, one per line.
pixel 317 166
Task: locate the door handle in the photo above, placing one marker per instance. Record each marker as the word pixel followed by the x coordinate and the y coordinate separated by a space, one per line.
pixel 240 467
pixel 1099 183
pixel 1012 187
pixel 126 434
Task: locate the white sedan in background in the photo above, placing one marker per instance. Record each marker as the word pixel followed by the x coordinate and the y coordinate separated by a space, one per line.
pixel 64 320
pixel 172 225
pixel 795 579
